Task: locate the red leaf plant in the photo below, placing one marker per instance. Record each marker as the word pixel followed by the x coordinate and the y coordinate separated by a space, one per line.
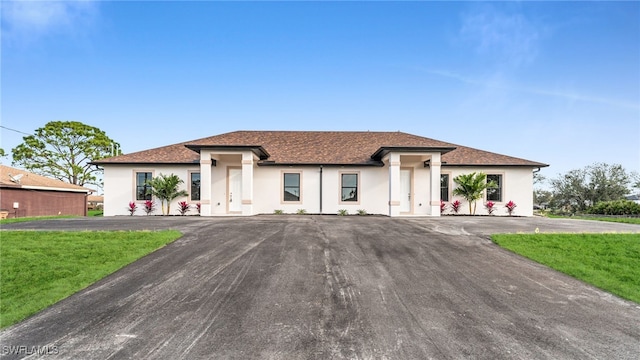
pixel 510 207
pixel 455 206
pixel 491 207
pixel 132 208
pixel 183 207
pixel 149 207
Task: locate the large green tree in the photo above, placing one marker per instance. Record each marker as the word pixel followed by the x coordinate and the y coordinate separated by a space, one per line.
pixel 580 188
pixel 471 187
pixel 165 188
pixel 64 150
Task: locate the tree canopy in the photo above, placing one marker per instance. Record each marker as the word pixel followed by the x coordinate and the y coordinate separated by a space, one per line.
pixel 64 150
pixel 581 188
pixel 471 186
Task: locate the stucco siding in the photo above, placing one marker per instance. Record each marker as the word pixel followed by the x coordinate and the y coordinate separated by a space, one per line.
pixel 517 187
pixel 120 183
pixel 267 186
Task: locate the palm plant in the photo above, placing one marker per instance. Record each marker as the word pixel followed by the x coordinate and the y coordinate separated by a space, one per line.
pixel 471 186
pixel 165 188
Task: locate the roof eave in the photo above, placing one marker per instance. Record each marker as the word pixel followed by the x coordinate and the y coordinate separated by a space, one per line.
pixel 365 164
pixel 495 165
pixel 384 150
pixel 256 149
pixel 102 163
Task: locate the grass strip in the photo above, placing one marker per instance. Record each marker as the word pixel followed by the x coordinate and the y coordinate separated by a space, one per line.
pixel 35 218
pixel 623 220
pixel 610 262
pixel 40 268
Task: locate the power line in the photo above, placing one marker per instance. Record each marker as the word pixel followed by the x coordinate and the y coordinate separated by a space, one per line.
pixel 18 131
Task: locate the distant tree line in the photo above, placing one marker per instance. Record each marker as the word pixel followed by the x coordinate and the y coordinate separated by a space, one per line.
pixel 582 190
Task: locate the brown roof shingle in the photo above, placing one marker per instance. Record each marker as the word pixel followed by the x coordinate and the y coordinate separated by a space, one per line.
pixel 31 180
pixel 317 147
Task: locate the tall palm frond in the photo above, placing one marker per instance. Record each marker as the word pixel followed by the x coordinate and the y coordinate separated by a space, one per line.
pixel 471 186
pixel 165 188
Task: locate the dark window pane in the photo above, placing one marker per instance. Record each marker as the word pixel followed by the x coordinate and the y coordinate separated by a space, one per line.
pixel 444 187
pixel 195 186
pixel 291 187
pixel 142 189
pixel 349 180
pixel 292 180
pixel 349 187
pixel 495 194
pixel 349 194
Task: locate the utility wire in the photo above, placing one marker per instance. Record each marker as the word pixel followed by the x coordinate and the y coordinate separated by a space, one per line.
pixel 18 131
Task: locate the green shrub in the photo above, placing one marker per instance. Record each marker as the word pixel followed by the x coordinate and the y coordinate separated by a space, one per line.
pixel 301 211
pixel 616 207
pixel 343 212
pixel 278 212
pixel 362 212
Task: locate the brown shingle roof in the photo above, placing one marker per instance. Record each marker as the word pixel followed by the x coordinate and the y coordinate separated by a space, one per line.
pixel 31 180
pixel 317 147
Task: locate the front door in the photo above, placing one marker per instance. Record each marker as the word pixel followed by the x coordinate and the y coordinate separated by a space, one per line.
pixel 234 196
pixel 405 190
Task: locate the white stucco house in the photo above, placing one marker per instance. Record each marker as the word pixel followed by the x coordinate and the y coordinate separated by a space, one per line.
pixel 258 172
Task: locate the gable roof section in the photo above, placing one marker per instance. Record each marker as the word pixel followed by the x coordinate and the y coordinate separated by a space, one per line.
pixel 317 147
pixel 32 181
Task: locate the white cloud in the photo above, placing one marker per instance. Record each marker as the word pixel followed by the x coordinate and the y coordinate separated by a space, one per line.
pixel 32 18
pixel 498 82
pixel 511 38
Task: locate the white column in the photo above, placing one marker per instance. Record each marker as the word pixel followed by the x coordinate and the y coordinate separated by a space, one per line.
pixel 394 184
pixel 205 184
pixel 247 183
pixel 434 171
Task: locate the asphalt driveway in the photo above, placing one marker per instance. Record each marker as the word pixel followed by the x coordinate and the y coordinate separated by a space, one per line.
pixel 328 287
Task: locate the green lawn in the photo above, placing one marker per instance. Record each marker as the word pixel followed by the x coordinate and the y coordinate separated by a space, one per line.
pixel 39 268
pixel 34 218
pixel 608 261
pixel 623 220
pixel 94 212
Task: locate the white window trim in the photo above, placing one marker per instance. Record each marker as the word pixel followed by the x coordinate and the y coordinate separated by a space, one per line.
pixel 359 193
pixel 282 172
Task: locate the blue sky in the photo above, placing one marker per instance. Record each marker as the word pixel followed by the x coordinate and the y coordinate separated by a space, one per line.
pixel 555 82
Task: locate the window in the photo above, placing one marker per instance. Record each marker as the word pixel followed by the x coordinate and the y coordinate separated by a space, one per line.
pixel 291 187
pixel 444 187
pixel 495 194
pixel 142 189
pixel 194 179
pixel 349 186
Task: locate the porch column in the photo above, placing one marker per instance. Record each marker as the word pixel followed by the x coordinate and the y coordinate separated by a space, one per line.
pixel 247 183
pixel 394 184
pixel 434 177
pixel 205 184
